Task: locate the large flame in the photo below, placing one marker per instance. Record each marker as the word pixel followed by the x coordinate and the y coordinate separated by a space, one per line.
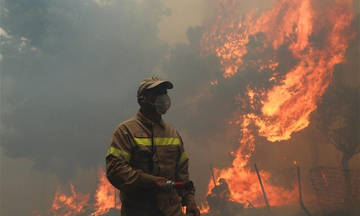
pixel 316 40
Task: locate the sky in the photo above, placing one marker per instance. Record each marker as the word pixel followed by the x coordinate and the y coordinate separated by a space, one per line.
pixel 69 74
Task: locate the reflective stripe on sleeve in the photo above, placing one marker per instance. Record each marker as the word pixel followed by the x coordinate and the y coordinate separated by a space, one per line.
pixel 117 153
pixel 183 158
pixel 158 141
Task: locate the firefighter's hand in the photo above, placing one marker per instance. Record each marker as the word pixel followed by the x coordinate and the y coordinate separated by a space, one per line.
pixel 148 181
pixel 192 209
pixel 160 182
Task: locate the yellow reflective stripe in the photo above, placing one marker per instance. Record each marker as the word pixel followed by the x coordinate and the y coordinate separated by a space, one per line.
pixel 158 141
pixel 183 158
pixel 117 152
pixel 143 141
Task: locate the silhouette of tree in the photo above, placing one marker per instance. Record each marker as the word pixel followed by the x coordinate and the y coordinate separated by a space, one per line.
pixel 338 117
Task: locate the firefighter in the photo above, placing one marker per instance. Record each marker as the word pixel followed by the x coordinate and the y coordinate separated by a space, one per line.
pixel 145 153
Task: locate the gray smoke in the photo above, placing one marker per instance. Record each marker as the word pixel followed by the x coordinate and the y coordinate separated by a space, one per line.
pixel 69 75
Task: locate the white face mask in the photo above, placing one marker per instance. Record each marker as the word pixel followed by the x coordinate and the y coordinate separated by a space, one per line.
pixel 162 104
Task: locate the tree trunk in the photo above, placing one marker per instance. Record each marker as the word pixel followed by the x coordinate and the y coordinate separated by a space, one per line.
pixel 348 188
pixel 345 161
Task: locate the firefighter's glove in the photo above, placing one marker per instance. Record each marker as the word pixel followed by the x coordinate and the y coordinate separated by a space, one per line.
pixel 192 209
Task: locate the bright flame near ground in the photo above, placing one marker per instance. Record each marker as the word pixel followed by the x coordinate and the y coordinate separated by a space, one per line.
pixel 105 196
pixel 204 208
pixel 243 183
pixel 285 108
pixel 64 205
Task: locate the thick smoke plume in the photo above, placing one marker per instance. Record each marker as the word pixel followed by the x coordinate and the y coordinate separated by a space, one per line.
pixel 69 74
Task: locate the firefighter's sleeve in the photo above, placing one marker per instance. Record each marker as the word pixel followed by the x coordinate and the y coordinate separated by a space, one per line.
pixel 118 169
pixel 182 174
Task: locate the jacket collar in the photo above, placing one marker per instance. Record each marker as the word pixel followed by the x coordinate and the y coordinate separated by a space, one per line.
pixel 147 121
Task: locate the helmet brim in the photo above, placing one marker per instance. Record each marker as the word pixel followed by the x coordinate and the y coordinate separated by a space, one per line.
pixel 161 84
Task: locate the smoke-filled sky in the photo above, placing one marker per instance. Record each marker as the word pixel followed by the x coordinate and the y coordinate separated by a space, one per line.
pixel 69 74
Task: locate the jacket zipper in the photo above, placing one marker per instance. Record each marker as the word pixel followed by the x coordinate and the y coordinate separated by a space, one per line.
pixel 151 165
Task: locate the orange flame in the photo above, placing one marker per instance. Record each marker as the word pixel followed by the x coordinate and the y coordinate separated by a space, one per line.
pixel 105 196
pixel 77 203
pixel 286 107
pixel 214 83
pixel 64 205
pixel 323 176
pixel 204 208
pixel 243 183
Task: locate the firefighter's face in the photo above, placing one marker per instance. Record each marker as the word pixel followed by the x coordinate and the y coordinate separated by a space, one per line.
pixel 152 94
pixel 157 100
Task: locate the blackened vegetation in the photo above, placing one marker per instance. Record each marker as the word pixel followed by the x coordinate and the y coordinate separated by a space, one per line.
pixel 219 202
pixel 338 118
pixel 331 189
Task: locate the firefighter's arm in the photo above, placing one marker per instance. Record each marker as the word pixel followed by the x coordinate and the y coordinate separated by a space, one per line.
pixel 118 170
pixel 182 174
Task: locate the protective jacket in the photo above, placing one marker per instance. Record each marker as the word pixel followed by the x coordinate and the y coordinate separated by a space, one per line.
pixel 139 150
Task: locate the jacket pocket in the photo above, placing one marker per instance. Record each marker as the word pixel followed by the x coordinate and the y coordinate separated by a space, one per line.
pixel 168 157
pixel 168 154
pixel 142 159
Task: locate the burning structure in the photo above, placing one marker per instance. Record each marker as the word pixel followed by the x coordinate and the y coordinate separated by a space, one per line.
pixel 288 55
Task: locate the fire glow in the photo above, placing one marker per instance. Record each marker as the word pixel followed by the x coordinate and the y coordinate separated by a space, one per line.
pixel 64 205
pixel 105 196
pixel 78 203
pixel 285 107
